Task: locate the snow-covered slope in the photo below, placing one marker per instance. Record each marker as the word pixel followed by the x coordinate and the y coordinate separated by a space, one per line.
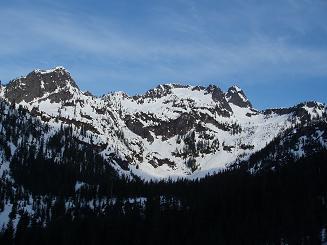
pixel 301 140
pixel 171 131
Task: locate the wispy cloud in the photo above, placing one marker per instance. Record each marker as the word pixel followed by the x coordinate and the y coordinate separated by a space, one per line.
pixel 192 42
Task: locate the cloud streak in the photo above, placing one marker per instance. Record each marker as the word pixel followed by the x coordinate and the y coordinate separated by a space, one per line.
pixel 192 42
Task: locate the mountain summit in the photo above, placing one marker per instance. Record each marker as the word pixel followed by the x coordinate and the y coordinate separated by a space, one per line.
pixel 236 96
pixel 56 84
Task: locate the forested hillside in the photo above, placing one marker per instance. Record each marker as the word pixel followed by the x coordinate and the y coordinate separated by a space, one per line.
pixel 282 206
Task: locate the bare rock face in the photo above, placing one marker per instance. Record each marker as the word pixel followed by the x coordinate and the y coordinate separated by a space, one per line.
pixel 55 82
pixel 218 96
pixel 237 97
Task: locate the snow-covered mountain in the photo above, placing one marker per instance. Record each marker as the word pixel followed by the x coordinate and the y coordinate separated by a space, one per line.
pixel 171 131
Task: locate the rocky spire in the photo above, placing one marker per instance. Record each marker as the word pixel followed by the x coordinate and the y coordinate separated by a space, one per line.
pixel 236 96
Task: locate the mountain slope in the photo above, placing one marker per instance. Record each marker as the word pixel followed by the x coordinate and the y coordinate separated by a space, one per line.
pixel 300 141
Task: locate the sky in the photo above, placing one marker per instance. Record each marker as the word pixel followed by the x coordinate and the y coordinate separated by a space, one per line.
pixel 276 51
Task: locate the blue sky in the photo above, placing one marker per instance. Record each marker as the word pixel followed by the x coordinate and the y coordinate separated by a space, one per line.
pixel 275 50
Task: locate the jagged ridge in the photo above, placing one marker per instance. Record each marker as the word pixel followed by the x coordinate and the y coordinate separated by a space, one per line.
pixel 170 131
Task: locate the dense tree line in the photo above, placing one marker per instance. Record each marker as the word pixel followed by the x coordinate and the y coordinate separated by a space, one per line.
pixel 287 205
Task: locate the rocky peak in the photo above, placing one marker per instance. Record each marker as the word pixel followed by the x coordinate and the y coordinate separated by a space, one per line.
pixel 217 93
pixel 311 109
pixel 88 93
pixel 236 96
pixel 161 91
pixel 218 96
pixel 54 82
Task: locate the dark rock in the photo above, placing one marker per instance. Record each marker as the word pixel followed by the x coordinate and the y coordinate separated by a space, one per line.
pixel 155 162
pixel 237 97
pixel 298 111
pixel 222 108
pixel 88 93
pixel 198 88
pixel 136 126
pixel 37 83
pixel 178 126
pixel 159 92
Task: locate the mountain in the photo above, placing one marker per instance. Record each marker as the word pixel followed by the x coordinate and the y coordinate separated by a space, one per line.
pixel 170 131
pixel 73 165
